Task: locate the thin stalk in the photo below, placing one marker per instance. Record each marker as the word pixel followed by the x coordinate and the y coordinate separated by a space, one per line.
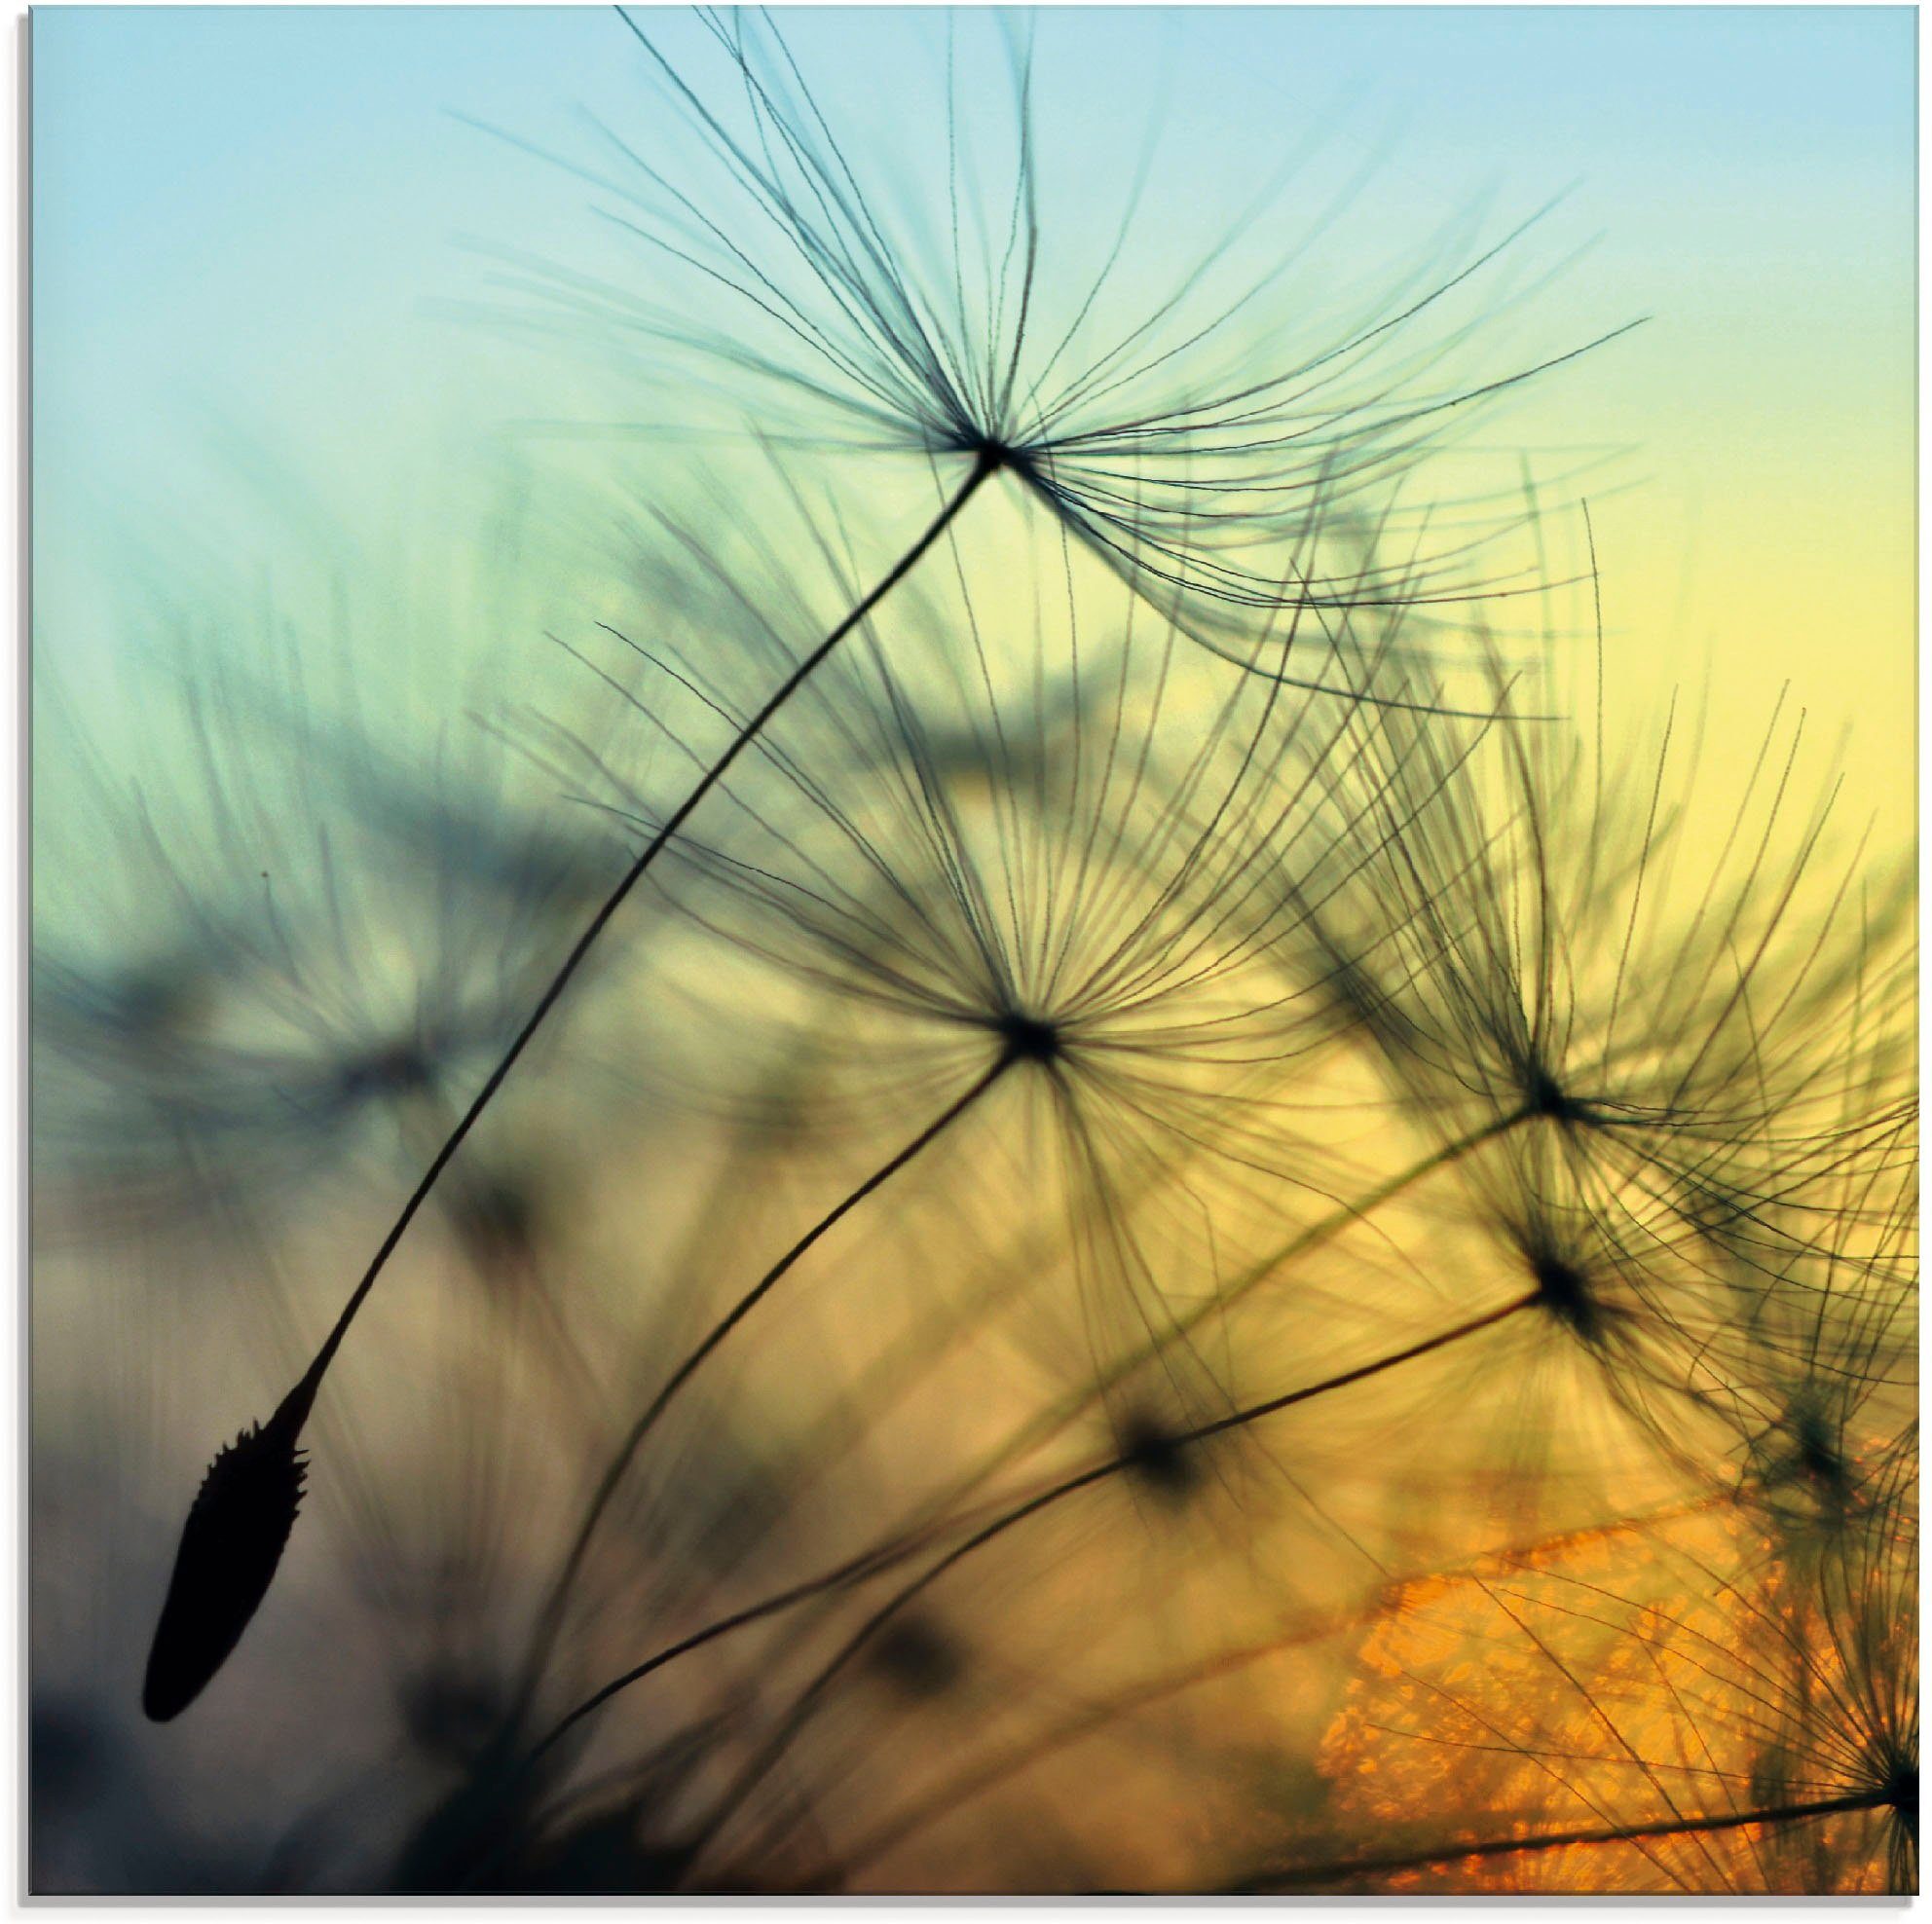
pixel 749 733
pixel 808 1699
pixel 911 1538
pixel 238 1527
pixel 953 1794
pixel 1675 1826
pixel 550 1617
pixel 1302 1243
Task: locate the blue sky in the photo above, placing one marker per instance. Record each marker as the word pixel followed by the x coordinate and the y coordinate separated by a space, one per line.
pixel 249 225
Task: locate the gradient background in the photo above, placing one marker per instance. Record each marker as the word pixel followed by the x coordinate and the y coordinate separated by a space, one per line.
pixel 245 220
pixel 261 338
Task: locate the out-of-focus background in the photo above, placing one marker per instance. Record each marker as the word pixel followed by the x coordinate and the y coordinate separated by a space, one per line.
pixel 333 756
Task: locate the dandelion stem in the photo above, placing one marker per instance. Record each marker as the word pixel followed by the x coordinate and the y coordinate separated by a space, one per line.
pixel 910 1541
pixel 984 465
pixel 1674 1826
pixel 982 1774
pixel 291 1414
pixel 808 1699
pixel 550 1617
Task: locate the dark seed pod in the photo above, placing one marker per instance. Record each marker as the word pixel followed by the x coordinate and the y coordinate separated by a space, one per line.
pixel 1155 1457
pixel 230 1545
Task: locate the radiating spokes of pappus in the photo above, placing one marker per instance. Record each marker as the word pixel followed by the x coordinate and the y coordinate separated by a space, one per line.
pixel 1655 1334
pixel 1192 405
pixel 279 941
pixel 1053 828
pixel 1684 970
pixel 1027 857
pixel 1829 1422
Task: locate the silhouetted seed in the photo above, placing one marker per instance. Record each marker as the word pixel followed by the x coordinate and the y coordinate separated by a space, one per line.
pixel 1156 1459
pixel 916 1657
pixel 1564 1292
pixel 1546 1097
pixel 1901 1794
pixel 1817 1456
pixel 230 1545
pixel 1028 1038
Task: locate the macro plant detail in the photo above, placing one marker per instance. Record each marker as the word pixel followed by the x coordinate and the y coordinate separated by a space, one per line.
pixel 963 1083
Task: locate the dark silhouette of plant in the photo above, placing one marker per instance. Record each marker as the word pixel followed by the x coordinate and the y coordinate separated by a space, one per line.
pixel 1204 1234
pixel 1049 445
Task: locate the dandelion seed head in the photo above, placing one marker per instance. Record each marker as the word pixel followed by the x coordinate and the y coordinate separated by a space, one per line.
pixel 1684 986
pixel 1158 1459
pixel 332 936
pixel 1196 440
pixel 1544 1096
pixel 1901 1794
pixel 1029 1038
pixel 1565 1291
pixel 917 1658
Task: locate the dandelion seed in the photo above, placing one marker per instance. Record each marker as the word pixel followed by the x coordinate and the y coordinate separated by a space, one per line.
pixel 918 1658
pixel 230 1545
pixel 1154 1457
pixel 1563 954
pixel 1042 458
pixel 1171 436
